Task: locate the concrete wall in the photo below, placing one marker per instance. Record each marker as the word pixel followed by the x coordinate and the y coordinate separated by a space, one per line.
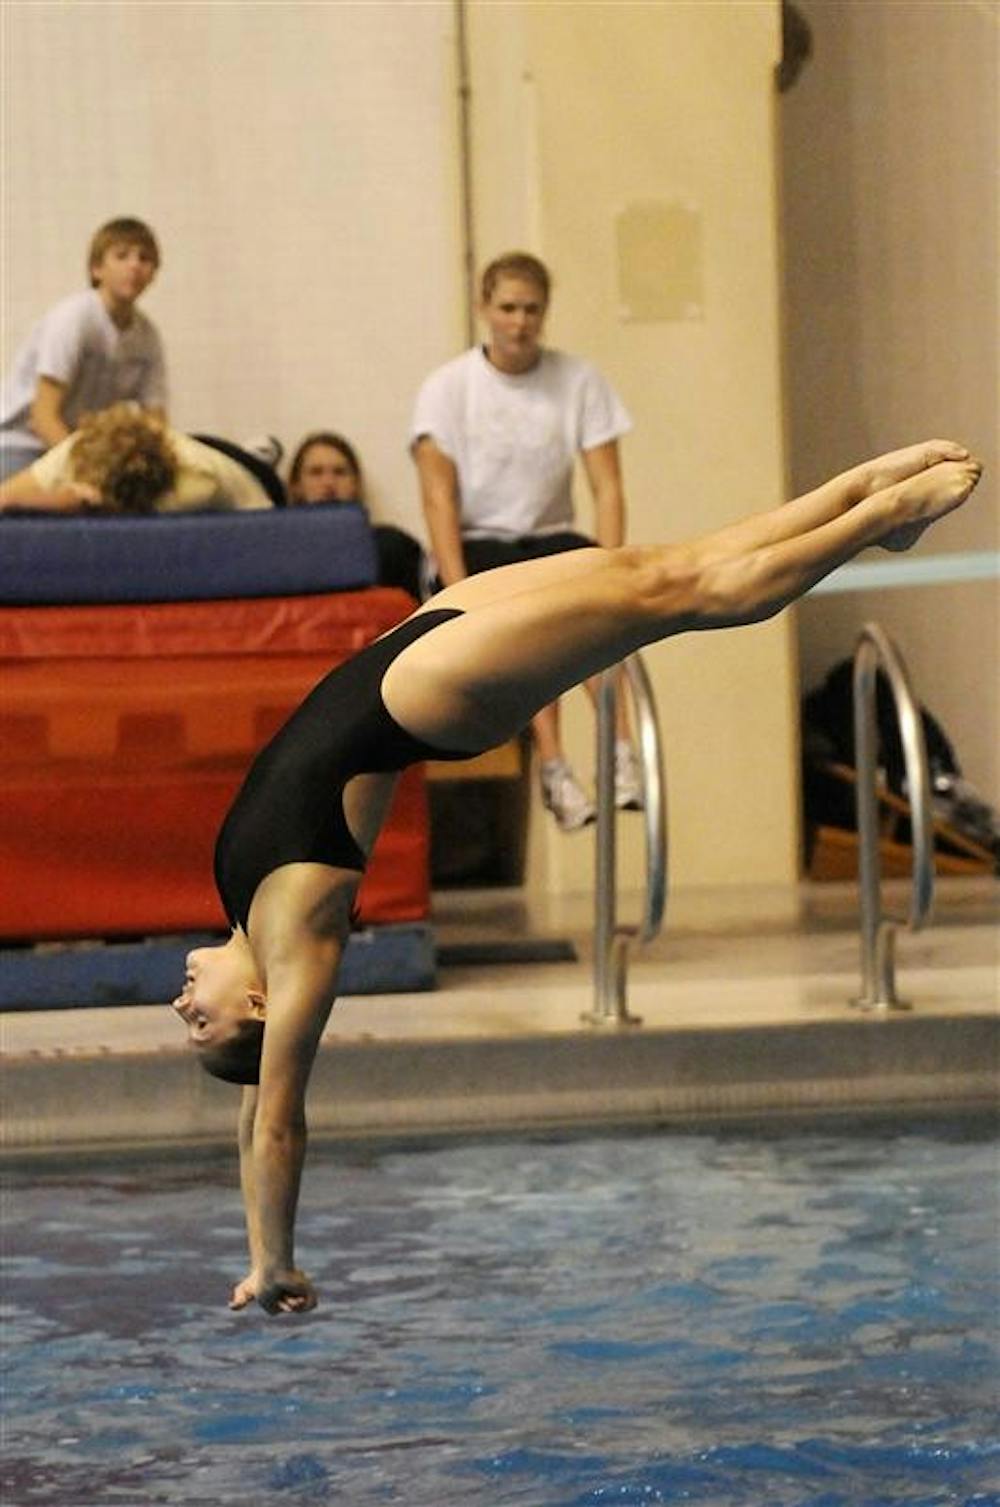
pixel 890 161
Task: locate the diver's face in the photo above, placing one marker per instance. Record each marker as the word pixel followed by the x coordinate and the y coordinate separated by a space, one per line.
pixel 221 991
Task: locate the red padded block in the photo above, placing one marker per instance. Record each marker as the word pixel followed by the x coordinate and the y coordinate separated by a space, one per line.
pixel 335 625
pixel 107 855
pixel 124 734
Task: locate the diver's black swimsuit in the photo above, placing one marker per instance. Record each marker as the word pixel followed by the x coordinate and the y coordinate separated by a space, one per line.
pixel 290 808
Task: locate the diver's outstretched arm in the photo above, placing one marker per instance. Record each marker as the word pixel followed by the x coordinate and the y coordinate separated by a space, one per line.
pixel 299 999
pixel 298 927
pixel 246 1291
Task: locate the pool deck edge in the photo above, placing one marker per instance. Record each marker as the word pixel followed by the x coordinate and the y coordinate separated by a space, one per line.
pixel 58 1101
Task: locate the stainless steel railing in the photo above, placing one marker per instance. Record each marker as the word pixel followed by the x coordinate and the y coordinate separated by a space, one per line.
pixel 612 943
pixel 878 930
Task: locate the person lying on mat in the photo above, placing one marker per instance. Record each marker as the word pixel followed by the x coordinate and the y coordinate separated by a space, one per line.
pixel 128 460
pixel 463 673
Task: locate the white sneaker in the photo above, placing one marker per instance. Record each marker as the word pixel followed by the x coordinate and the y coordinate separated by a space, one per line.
pixel 564 797
pixel 628 778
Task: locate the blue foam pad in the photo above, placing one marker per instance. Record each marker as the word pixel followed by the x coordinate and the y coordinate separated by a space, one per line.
pixel 47 559
pixel 379 960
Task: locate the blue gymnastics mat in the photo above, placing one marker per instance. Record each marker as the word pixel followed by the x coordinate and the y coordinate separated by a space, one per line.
pixel 64 558
pixel 68 975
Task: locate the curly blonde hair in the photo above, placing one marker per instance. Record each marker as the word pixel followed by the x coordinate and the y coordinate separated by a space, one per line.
pixel 126 453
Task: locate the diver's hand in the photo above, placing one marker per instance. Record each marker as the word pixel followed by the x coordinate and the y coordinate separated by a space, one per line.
pixel 245 1292
pixel 285 1290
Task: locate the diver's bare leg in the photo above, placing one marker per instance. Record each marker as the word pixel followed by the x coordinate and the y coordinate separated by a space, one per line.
pixel 480 677
pixel 787 521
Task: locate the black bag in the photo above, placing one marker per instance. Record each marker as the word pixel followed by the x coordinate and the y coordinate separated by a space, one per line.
pixel 828 737
pixel 828 728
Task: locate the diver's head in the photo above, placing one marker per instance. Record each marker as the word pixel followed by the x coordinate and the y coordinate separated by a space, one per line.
pixel 223 1007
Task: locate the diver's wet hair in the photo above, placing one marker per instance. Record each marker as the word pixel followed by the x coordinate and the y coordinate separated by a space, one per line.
pixel 238 1059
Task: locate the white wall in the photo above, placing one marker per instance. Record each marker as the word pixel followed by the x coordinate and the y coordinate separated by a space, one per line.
pixel 298 165
pixel 890 210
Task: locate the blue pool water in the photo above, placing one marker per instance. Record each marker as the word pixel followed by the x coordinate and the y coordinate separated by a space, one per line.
pixel 798 1318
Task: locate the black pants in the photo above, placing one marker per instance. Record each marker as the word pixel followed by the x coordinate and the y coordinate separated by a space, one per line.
pixel 399 558
pixel 494 551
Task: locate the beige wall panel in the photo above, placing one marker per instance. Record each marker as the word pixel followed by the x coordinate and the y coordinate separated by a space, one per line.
pixel 299 165
pixel 890 167
pixel 619 104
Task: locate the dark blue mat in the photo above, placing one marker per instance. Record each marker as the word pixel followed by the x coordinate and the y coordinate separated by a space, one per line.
pixel 183 557
pixel 379 960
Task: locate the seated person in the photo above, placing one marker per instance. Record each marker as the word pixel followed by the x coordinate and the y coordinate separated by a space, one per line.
pixel 325 468
pixel 496 434
pixel 91 350
pixel 128 460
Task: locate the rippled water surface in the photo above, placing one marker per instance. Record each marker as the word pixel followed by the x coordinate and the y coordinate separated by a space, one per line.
pixel 789 1320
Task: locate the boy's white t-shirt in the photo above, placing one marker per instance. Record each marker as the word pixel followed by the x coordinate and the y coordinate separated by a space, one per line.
pixel 513 439
pixel 78 343
pixel 206 478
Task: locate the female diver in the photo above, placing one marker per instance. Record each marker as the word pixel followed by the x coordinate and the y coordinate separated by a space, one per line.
pixel 463 673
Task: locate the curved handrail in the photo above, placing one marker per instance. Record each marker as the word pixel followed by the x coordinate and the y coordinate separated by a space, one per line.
pixel 878 931
pixel 611 941
pixel 654 798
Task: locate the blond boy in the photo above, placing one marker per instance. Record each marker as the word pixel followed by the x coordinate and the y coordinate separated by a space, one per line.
pixel 89 351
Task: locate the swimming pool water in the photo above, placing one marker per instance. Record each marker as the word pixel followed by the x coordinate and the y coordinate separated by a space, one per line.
pixel 781 1320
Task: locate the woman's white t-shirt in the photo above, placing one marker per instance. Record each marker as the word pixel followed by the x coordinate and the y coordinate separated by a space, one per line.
pixel 513 439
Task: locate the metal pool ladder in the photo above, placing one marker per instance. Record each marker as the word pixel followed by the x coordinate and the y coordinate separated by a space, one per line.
pixel 611 941
pixel 878 931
